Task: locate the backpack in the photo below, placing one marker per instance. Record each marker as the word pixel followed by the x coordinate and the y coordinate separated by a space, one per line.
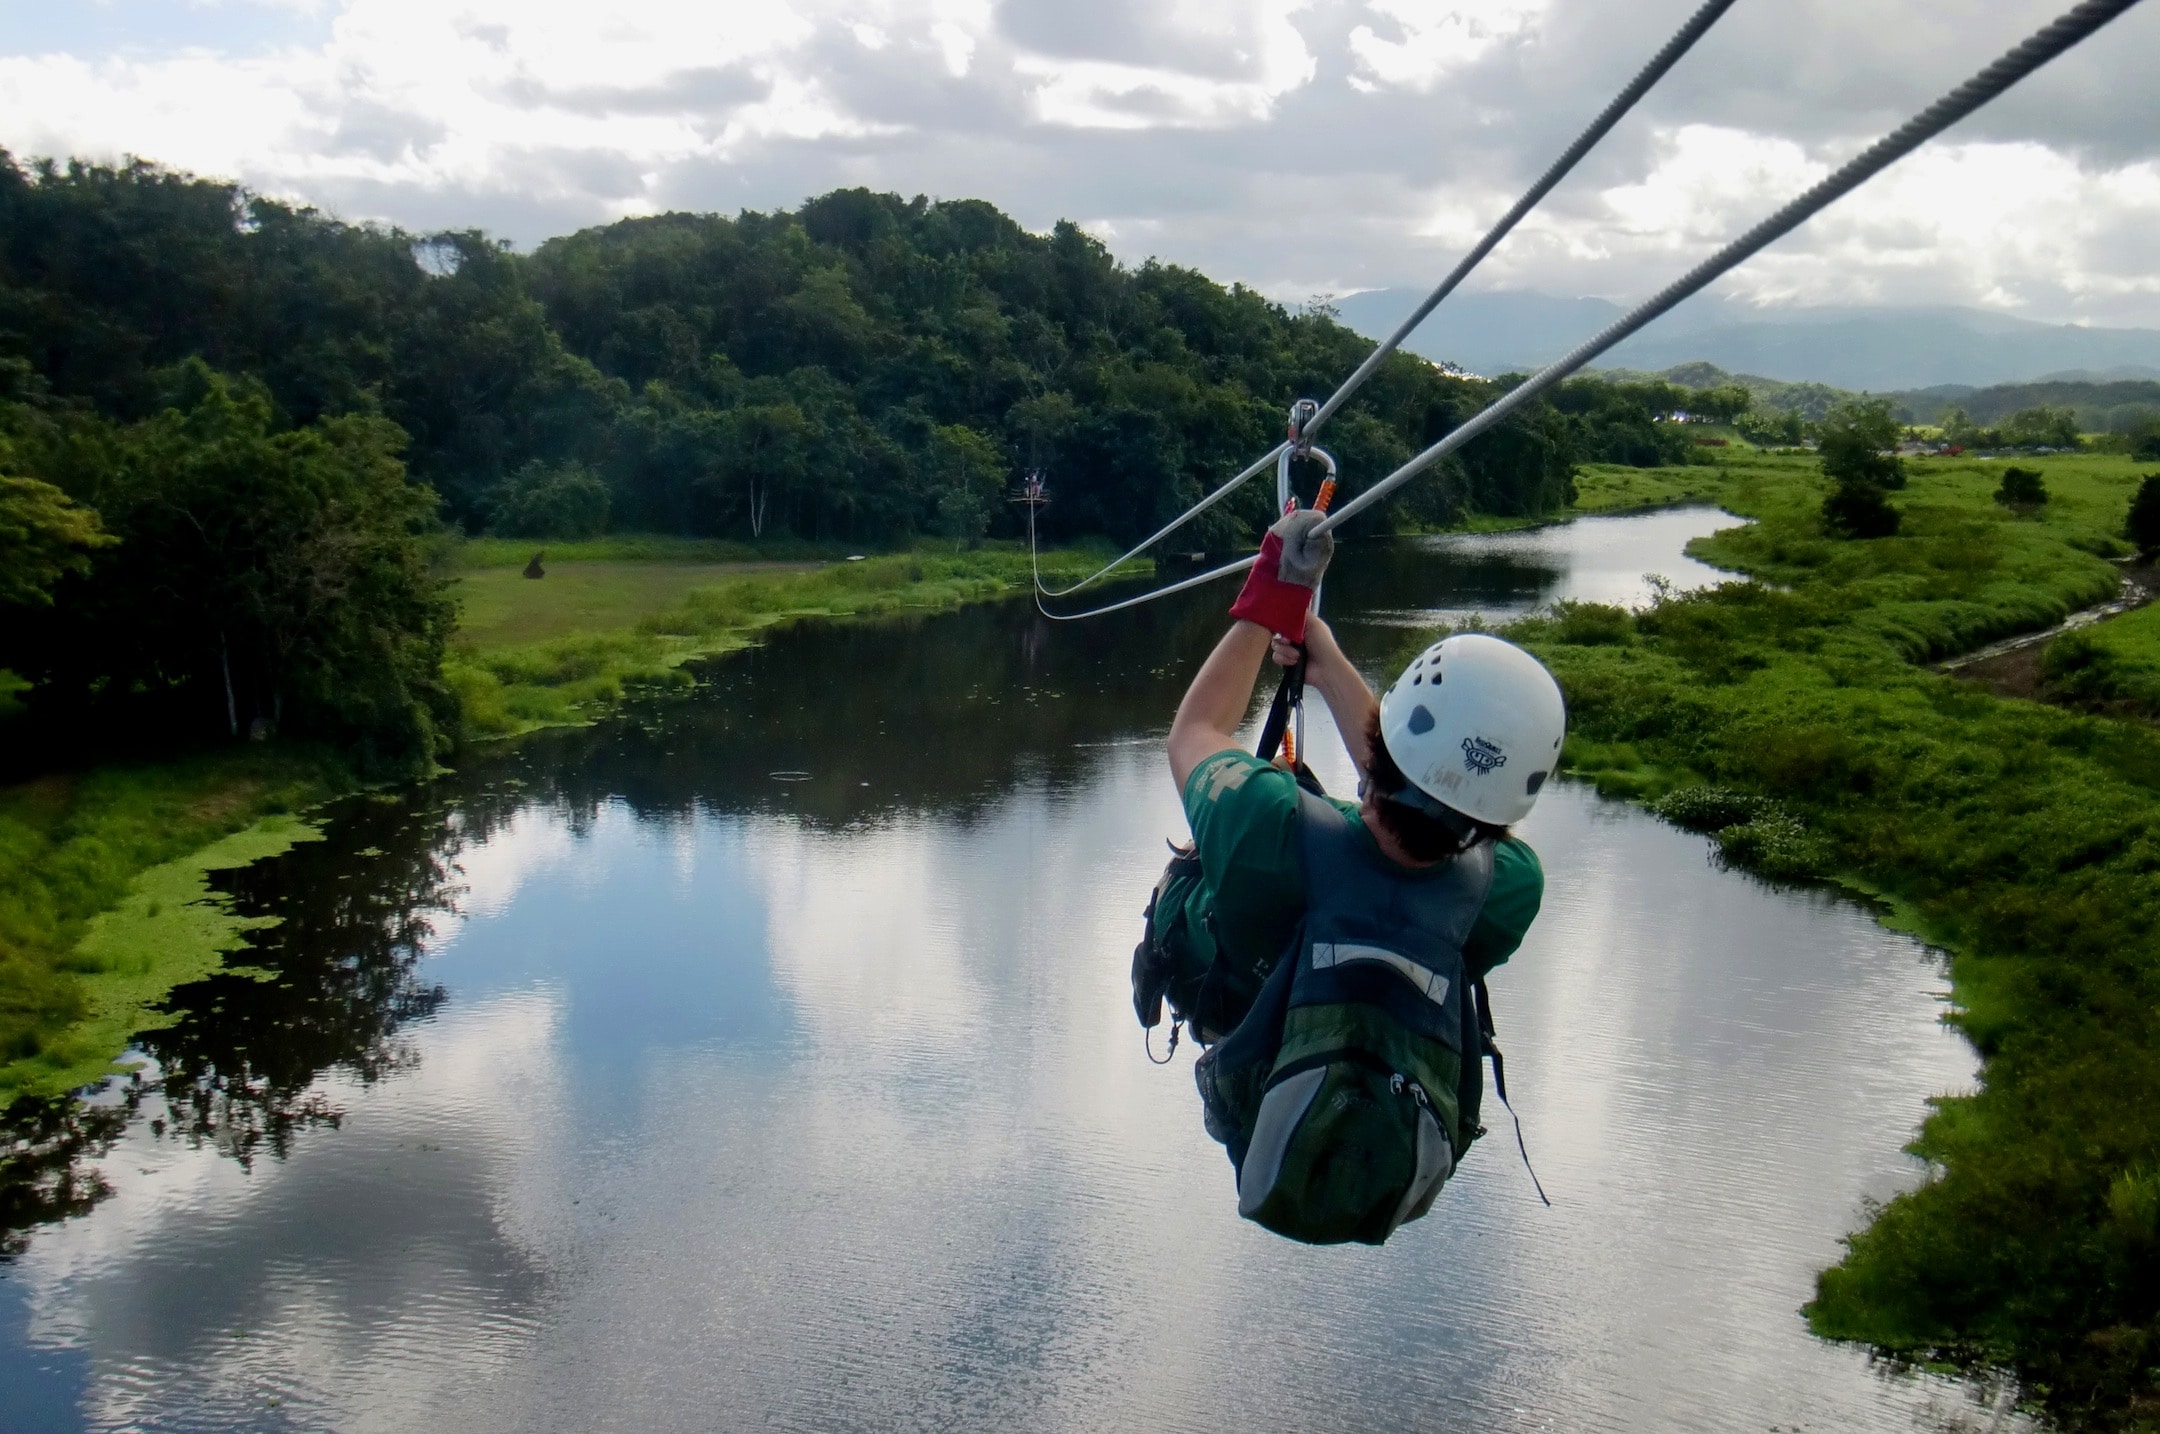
pixel 1180 959
pixel 1351 1089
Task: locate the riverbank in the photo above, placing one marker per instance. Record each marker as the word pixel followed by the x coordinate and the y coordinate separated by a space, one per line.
pixel 571 646
pixel 103 905
pixel 1795 719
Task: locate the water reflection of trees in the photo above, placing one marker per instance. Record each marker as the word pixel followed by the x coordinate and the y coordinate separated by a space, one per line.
pixel 239 1068
pixel 44 1173
pixel 943 716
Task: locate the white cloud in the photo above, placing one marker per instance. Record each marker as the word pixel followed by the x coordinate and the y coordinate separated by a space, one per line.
pixel 1299 145
pixel 1436 43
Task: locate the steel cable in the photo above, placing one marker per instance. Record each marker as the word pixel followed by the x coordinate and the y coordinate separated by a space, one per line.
pixel 1035 560
pixel 2066 31
pixel 2073 26
pixel 1682 41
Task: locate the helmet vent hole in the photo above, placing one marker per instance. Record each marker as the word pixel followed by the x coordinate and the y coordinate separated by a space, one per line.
pixel 1421 721
pixel 1537 779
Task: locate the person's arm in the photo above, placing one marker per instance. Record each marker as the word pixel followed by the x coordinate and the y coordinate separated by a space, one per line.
pixel 1207 719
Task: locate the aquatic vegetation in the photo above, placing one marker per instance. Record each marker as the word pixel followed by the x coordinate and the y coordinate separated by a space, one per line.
pixel 133 841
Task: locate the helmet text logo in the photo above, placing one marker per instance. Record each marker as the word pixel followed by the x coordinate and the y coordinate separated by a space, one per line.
pixel 1481 756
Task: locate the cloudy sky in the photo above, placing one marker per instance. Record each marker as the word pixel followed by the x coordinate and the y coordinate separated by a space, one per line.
pixel 1303 146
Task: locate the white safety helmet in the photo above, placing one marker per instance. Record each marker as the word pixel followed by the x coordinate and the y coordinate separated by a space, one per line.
pixel 1475 724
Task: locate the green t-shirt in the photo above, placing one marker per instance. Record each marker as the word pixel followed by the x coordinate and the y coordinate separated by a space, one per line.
pixel 1243 813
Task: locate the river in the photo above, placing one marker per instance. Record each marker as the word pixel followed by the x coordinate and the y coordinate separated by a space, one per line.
pixel 765 1060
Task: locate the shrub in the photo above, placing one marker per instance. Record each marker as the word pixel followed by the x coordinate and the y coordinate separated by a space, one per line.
pixel 1591 624
pixel 1859 510
pixel 1774 844
pixel 2142 527
pixel 2080 669
pixel 1772 430
pixel 2021 488
pixel 1707 808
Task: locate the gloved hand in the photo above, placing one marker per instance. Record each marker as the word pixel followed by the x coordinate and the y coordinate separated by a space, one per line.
pixel 1278 591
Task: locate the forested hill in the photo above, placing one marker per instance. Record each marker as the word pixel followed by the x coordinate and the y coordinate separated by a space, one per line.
pixel 227 426
pixel 865 368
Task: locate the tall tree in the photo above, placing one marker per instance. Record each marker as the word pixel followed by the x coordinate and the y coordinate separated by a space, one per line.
pixel 44 536
pixel 261 575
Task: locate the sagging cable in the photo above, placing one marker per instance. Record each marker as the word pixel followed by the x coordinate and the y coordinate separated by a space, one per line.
pixel 1260 466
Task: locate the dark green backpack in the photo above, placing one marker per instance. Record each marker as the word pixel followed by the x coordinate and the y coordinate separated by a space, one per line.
pixel 1351 1089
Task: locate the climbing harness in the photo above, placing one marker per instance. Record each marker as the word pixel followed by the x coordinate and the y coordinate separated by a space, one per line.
pixel 2065 32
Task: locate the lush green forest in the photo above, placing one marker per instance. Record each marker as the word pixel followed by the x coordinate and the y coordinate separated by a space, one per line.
pixel 231 427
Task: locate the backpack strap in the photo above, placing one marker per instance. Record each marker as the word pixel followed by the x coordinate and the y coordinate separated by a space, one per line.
pixel 1499 1078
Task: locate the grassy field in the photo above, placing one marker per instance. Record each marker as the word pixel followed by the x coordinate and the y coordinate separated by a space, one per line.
pixel 499 607
pixel 467 554
pixel 1610 488
pixel 1795 719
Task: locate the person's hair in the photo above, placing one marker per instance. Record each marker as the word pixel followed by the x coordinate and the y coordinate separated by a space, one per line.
pixel 1421 837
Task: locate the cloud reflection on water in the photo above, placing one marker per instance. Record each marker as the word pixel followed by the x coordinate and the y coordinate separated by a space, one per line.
pixel 805 1108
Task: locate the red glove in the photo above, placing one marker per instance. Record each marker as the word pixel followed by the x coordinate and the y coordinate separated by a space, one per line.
pixel 1278 591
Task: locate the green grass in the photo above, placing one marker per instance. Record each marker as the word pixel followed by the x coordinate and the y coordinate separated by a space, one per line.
pixel 632 548
pixel 2111 667
pixel 1611 488
pixel 132 841
pixel 500 607
pixel 170 929
pixel 539 659
pixel 1793 718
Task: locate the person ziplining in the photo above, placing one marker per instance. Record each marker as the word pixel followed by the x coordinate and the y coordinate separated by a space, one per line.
pixel 1331 955
pixel 1346 943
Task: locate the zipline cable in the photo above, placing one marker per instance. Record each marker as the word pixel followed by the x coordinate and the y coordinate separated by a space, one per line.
pixel 2066 31
pixel 1682 41
pixel 1260 465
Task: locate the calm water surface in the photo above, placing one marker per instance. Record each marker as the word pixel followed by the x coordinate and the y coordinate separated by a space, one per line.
pixel 616 1083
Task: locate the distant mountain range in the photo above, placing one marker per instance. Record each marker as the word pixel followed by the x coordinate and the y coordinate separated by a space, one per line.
pixel 2102 406
pixel 1876 350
